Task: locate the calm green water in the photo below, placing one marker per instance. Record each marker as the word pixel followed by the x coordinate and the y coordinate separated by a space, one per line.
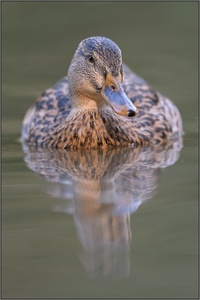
pixel 102 237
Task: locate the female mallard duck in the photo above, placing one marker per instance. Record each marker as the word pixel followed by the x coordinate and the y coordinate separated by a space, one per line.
pixel 93 107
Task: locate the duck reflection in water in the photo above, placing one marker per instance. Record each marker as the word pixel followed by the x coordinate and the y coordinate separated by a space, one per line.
pixel 104 187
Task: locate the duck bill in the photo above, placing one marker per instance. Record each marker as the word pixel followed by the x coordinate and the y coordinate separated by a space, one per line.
pixel 115 96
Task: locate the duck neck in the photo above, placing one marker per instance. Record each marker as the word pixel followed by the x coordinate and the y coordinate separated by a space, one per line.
pixel 87 101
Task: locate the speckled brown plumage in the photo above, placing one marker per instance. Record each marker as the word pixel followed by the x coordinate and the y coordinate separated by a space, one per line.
pixel 75 113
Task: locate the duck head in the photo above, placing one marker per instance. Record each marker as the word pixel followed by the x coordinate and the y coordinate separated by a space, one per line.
pixel 95 77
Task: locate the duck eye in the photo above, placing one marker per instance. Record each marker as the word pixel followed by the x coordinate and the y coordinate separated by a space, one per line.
pixel 90 59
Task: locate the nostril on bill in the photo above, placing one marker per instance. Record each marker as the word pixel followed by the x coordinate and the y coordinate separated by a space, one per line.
pixel 112 87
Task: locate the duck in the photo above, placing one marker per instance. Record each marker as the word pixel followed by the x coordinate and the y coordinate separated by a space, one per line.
pixel 100 104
